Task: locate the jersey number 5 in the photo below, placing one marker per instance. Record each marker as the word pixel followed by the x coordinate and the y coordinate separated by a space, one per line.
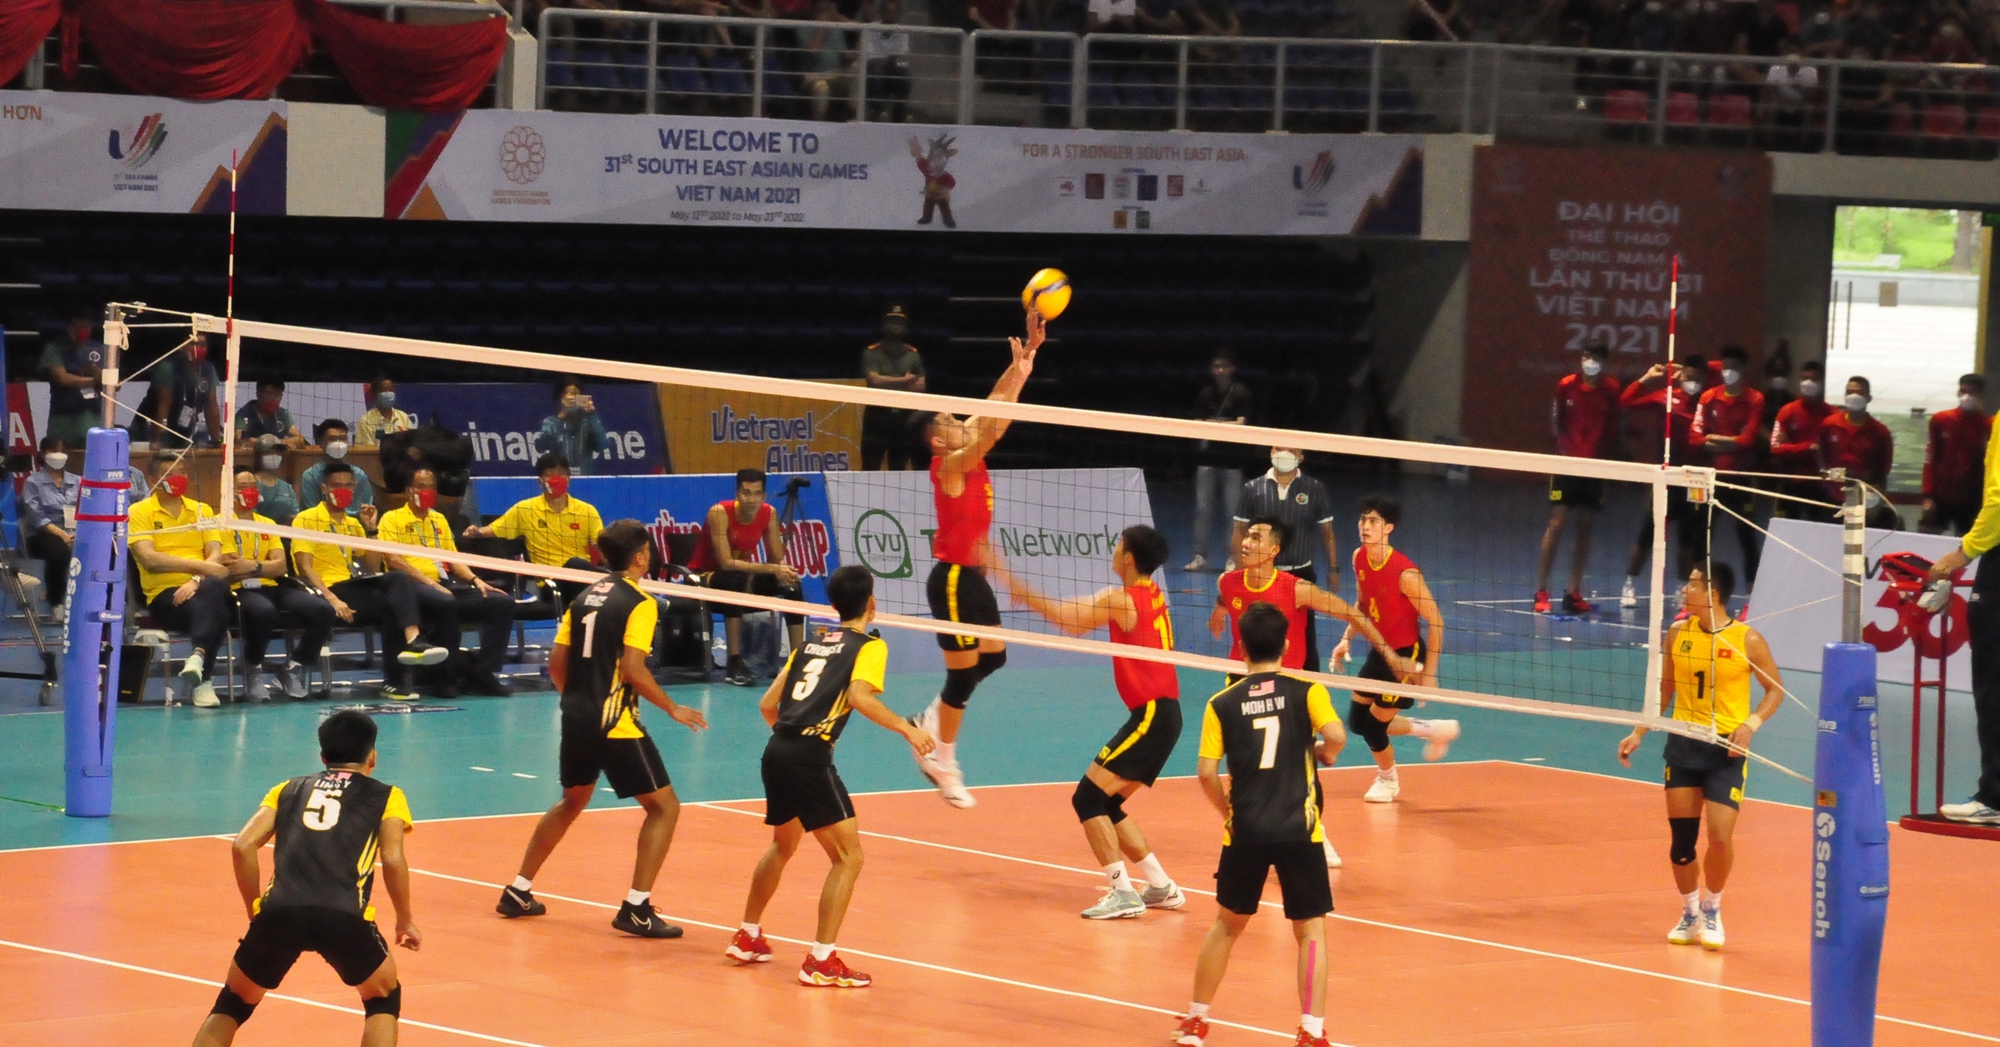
pixel 1268 725
pixel 808 679
pixel 322 811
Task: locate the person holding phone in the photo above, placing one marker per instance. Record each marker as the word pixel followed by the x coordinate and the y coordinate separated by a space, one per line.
pixel 575 431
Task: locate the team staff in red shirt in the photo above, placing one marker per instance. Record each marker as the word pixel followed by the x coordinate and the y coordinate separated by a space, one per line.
pixel 1795 441
pixel 1648 396
pixel 1729 425
pixel 1585 418
pixel 1955 460
pixel 728 553
pixel 1854 440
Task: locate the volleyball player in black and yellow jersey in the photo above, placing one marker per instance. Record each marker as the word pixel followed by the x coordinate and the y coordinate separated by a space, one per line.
pixel 330 828
pixel 838 673
pixel 1711 658
pixel 599 665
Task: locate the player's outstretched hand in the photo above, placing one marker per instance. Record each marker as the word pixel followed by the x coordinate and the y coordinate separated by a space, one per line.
pixel 689 717
pixel 1037 328
pixel 408 936
pixel 1629 745
pixel 920 740
pixel 1342 654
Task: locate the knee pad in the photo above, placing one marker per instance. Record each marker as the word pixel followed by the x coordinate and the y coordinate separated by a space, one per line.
pixel 391 1005
pixel 1686 831
pixel 1091 802
pixel 990 662
pixel 1361 721
pixel 1117 806
pixel 232 1006
pixel 958 685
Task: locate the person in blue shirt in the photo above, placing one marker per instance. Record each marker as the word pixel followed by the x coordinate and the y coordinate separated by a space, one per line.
pixel 48 517
pixel 575 431
pixel 71 364
pixel 184 396
pixel 275 495
pixel 331 436
pixel 266 416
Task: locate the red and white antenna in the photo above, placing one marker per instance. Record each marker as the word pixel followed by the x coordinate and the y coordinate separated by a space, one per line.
pixel 1673 314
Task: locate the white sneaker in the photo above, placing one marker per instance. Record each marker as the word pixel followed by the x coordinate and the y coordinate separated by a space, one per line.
pixel 1629 596
pixel 291 680
pixel 1711 929
pixel 1332 856
pixel 204 697
pixel 254 687
pixel 1686 931
pixel 1443 733
pixel 1199 563
pixel 1384 790
pixel 1972 812
pixel 1168 897
pixel 191 669
pixel 950 782
pixel 1116 905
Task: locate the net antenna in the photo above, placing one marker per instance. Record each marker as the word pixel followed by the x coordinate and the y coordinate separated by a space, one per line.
pixel 232 354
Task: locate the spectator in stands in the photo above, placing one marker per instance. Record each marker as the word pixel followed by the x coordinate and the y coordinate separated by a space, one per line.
pixel 1820 33
pixel 385 600
pixel 1854 440
pixel 888 63
pixel 771 8
pixel 382 415
pixel 1950 45
pixel 71 363
pixel 444 604
pixel 574 431
pixel 1424 21
pixel 1795 441
pixel 1791 89
pixel 184 396
pixel 1729 426
pixel 827 66
pixel 1955 461
pixel 275 494
pixel 1110 16
pixel 991 14
pixel 260 560
pixel 1302 504
pixel 1654 28
pixel 1866 97
pixel 561 530
pixel 890 435
pixel 266 416
pixel 1867 32
pixel 1778 378
pixel 1159 16
pixel 1218 469
pixel 1584 416
pixel 48 518
pixel 185 584
pixel 1765 32
pixel 728 553
pixel 331 436
pixel 1213 18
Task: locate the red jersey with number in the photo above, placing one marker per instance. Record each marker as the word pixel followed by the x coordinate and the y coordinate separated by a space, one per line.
pixel 964 519
pixel 1863 448
pixel 1739 417
pixel 1141 682
pixel 743 537
pixel 1586 415
pixel 1955 457
pixel 1379 588
pixel 1282 591
pixel 1795 436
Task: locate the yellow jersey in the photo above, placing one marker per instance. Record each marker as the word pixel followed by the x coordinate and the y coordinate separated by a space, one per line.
pixel 554 536
pixel 335 563
pixel 251 546
pixel 432 531
pixel 172 534
pixel 1711 674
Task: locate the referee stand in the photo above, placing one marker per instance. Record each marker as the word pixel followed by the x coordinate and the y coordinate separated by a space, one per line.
pixel 1907 576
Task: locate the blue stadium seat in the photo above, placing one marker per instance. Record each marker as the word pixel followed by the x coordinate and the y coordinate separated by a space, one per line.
pixel 729 75
pixel 684 74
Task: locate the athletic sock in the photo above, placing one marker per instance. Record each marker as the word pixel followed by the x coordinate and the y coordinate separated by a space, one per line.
pixel 1420 728
pixel 947 753
pixel 1691 903
pixel 1312 1025
pixel 1711 901
pixel 1197 1010
pixel 821 952
pixel 1120 879
pixel 753 930
pixel 522 883
pixel 637 897
pixel 1154 872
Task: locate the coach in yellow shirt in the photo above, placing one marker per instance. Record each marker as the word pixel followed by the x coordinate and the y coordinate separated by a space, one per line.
pixel 445 603
pixel 174 540
pixel 561 529
pixel 1983 615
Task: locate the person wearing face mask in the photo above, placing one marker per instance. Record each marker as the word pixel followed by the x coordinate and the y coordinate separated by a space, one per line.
pixel 1795 442
pixel 186 585
pixel 331 436
pixel 48 519
pixel 889 434
pixel 1304 507
pixel 261 599
pixel 1778 378
pixel 1647 400
pixel 1729 426
pixel 266 416
pixel 1585 418
pixel 382 415
pixel 184 396
pixel 444 604
pixel 728 554
pixel 1854 440
pixel 1955 460
pixel 575 431
pixel 71 363
pixel 561 529
pixel 275 494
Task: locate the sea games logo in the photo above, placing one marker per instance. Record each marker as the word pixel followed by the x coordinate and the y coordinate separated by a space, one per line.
pixel 522 155
pixel 1311 182
pixel 140 144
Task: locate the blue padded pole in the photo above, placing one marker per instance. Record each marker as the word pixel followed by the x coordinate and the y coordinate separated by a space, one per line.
pixel 96 634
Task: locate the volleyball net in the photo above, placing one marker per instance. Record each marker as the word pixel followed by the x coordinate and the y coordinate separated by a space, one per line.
pixel 1066 482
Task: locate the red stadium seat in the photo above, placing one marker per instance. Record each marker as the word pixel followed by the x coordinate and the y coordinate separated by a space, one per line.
pixel 1987 125
pixel 1902 119
pixel 1729 111
pixel 1627 106
pixel 1683 109
pixel 1945 121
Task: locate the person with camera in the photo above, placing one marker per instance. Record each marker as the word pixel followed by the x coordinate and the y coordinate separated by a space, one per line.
pixel 575 431
pixel 736 530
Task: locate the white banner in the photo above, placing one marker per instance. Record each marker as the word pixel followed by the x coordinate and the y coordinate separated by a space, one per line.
pixel 1056 527
pixel 586 167
pixel 1797 603
pixel 85 152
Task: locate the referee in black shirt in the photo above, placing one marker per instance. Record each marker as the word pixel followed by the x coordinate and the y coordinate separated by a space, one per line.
pixel 1303 506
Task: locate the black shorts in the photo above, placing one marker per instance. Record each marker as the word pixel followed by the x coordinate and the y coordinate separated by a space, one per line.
pixel 349 944
pixel 1576 492
pixel 1302 880
pixel 1139 751
pixel 1377 668
pixel 632 765
pixel 961 594
pixel 800 782
pixel 1699 765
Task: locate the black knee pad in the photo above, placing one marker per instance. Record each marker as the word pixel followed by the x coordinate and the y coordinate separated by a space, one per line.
pixel 1686 832
pixel 1117 809
pixel 1091 802
pixel 958 685
pixel 990 662
pixel 232 1006
pixel 391 1005
pixel 1362 722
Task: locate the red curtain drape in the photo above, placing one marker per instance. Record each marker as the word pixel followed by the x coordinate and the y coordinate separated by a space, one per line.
pixel 24 24
pixel 432 68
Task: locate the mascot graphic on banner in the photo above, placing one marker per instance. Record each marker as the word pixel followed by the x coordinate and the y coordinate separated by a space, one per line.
pixel 938 182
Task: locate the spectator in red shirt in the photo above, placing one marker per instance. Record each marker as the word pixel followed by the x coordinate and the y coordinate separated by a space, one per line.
pixel 1729 426
pixel 1795 441
pixel 1585 418
pixel 1854 440
pixel 1955 460
pixel 1650 395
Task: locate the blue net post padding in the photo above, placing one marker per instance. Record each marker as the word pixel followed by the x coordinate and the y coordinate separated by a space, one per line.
pixel 1850 861
pixel 96 634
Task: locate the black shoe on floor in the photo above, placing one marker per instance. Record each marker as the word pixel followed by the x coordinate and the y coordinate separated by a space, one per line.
pixel 738 674
pixel 642 921
pixel 518 903
pixel 483 682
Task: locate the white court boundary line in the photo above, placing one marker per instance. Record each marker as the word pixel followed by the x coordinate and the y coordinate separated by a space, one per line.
pixel 102 962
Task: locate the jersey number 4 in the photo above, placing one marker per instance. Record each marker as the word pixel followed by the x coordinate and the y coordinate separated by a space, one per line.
pixel 808 679
pixel 322 811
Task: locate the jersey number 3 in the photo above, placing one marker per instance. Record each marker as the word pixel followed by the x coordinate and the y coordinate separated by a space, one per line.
pixel 322 811
pixel 808 679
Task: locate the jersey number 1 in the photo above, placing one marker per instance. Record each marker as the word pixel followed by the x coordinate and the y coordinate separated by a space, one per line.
pixel 589 632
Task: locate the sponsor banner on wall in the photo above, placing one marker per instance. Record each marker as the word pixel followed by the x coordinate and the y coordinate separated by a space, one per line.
pixel 682 170
pixel 717 431
pixel 504 418
pixel 679 504
pixel 1797 604
pixel 1056 527
pixel 1573 247
pixel 84 152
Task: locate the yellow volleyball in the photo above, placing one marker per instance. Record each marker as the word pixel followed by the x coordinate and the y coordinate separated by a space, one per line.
pixel 1047 293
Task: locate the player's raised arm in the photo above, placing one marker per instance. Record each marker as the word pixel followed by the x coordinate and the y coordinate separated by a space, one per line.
pixel 1077 615
pixel 1324 602
pixel 243 855
pixel 987 431
pixel 1419 594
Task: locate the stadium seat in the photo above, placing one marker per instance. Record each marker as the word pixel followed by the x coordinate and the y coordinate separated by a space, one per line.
pixel 1944 121
pixel 1683 109
pixel 1986 125
pixel 728 75
pixel 1729 111
pixel 1626 106
pixel 683 74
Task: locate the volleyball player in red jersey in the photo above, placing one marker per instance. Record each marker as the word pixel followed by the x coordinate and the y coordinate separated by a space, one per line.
pixel 1392 591
pixel 957 587
pixel 1136 611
